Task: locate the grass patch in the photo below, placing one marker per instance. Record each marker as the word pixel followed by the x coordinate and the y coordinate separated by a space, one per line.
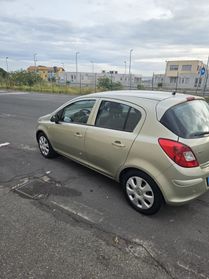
pixel 49 88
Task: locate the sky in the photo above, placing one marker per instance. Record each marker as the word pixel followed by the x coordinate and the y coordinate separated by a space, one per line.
pixel 103 32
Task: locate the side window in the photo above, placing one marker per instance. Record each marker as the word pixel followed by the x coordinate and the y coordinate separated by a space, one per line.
pixel 77 112
pixel 133 118
pixel 116 116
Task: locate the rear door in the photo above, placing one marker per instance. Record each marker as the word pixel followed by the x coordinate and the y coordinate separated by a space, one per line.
pixel 108 142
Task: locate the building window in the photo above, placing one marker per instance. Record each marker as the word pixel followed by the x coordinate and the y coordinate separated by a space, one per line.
pixel 186 80
pixel 174 67
pixel 186 67
pixel 173 79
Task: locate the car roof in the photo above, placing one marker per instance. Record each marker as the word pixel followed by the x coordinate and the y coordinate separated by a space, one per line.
pixel 143 94
pixel 160 99
pixel 136 96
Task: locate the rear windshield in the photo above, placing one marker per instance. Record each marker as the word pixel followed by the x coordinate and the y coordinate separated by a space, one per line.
pixel 188 120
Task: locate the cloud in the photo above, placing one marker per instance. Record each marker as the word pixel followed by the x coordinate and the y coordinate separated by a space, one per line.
pixel 104 32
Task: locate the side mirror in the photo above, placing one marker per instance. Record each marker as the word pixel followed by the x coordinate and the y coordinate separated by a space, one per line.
pixel 55 118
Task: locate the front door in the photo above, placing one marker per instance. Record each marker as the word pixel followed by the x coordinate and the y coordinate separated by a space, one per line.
pixel 67 136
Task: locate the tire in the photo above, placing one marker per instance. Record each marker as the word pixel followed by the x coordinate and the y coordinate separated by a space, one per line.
pixel 45 146
pixel 142 192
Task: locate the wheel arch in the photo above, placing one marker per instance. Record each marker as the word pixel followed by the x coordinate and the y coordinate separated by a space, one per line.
pixel 127 169
pixel 39 131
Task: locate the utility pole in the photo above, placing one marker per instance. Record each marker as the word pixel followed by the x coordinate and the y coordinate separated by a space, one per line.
pixel 130 68
pixel 35 59
pixel 153 81
pixel 125 67
pixel 95 80
pixel 177 80
pixel 76 63
pixel 206 78
pixel 198 82
pixel 7 66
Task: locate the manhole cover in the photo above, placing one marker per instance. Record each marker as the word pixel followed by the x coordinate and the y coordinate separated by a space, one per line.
pixel 43 187
pixel 34 189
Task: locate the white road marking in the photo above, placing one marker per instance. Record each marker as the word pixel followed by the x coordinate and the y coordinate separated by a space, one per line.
pixel 81 210
pixel 12 93
pixel 4 144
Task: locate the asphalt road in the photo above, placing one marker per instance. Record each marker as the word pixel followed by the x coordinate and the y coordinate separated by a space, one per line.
pixel 78 224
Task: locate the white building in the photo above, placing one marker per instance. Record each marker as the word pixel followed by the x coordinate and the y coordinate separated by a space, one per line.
pixel 91 79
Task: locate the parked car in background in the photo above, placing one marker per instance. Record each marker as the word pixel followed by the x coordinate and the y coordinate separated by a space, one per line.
pixel 156 144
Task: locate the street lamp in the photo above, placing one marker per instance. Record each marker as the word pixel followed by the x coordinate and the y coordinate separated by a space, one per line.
pixel 76 62
pixel 35 59
pixel 7 64
pixel 125 67
pixel 130 68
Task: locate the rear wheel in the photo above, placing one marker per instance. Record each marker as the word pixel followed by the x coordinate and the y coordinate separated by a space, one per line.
pixel 142 192
pixel 45 146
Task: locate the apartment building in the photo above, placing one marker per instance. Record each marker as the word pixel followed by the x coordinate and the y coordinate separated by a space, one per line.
pixel 182 74
pixel 46 73
pixel 185 73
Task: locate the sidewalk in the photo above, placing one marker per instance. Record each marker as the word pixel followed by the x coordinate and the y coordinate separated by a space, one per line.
pixel 41 242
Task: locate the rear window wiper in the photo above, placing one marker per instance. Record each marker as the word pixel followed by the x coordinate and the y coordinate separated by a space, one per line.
pixel 200 134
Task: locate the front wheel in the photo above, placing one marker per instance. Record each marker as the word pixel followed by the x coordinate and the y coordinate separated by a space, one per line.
pixel 45 146
pixel 142 192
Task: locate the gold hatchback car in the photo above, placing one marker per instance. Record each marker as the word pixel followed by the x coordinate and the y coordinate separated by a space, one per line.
pixel 156 144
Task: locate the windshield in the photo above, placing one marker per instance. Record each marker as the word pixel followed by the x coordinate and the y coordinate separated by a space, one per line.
pixel 188 120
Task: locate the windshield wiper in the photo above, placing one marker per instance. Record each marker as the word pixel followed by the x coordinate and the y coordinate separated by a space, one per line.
pixel 200 133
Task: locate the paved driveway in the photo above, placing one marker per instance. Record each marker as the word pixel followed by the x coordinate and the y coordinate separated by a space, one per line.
pixel 176 239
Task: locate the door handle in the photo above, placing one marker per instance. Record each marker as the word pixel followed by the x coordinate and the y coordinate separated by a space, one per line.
pixel 78 135
pixel 118 143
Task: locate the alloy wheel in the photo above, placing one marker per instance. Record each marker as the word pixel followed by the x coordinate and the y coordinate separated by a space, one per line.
pixel 44 145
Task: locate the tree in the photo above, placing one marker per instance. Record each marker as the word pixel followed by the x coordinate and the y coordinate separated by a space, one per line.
pixel 52 79
pixel 25 78
pixel 3 73
pixel 140 87
pixel 107 84
pixel 160 85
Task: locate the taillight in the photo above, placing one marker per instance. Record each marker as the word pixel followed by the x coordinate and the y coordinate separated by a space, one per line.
pixel 180 153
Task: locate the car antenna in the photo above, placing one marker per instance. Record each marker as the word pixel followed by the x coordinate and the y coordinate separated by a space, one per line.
pixel 174 93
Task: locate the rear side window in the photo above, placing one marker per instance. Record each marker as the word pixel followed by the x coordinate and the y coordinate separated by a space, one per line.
pixel 117 116
pixel 188 120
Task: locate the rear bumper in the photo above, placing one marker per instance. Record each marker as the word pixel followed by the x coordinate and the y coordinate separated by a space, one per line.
pixel 187 185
